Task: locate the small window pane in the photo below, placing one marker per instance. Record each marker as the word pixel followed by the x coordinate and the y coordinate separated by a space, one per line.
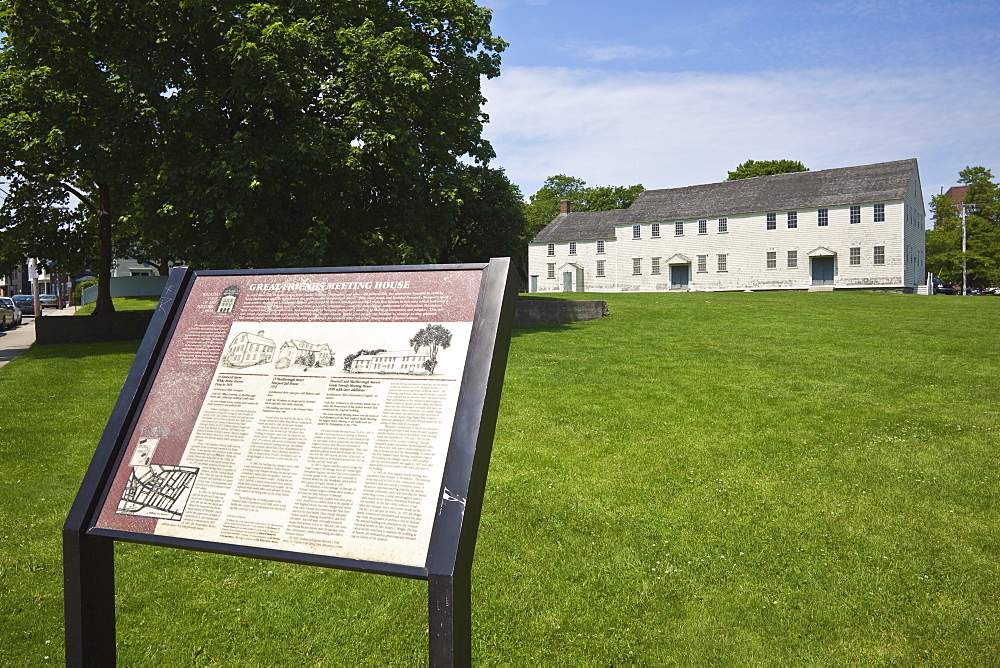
pixel 636 266
pixel 551 249
pixel 855 255
pixel 772 221
pixel 723 224
pixel 721 262
pixel 654 266
pixel 636 231
pixel 678 229
pixel 572 248
pixel 702 263
pixel 793 219
pixel 772 259
pixel 878 256
pixel 703 227
pixel 793 259
pixel 823 217
pixel 655 228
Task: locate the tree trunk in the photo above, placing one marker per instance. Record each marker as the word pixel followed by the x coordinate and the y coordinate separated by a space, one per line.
pixel 104 305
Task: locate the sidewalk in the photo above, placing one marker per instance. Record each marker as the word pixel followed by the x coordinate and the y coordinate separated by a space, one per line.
pixel 15 341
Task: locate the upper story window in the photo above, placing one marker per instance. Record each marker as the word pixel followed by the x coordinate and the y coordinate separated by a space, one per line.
pixel 636 231
pixel 723 224
pixel 878 257
pixel 550 250
pixel 572 248
pixel 880 213
pixel 855 256
pixel 793 219
pixel 772 259
pixel 600 245
pixel 855 215
pixel 678 229
pixel 655 229
pixel 702 227
pixel 823 217
pixel 772 221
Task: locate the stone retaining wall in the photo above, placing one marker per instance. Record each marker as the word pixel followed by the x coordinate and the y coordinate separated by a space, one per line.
pixel 555 311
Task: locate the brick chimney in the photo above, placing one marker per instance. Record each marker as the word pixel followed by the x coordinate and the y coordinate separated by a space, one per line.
pixel 564 206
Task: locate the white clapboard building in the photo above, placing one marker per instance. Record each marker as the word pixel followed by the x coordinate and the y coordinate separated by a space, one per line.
pixel 852 227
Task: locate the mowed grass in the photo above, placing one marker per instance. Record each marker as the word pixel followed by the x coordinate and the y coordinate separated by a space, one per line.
pixel 699 478
pixel 124 304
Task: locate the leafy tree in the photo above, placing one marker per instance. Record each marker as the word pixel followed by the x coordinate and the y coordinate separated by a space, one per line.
pixel 489 217
pixel 242 134
pixel 432 337
pixel 752 168
pixel 981 204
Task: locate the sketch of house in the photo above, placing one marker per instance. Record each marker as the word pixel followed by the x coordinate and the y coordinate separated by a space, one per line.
pixel 852 227
pixel 296 352
pixel 227 300
pixel 391 361
pixel 248 350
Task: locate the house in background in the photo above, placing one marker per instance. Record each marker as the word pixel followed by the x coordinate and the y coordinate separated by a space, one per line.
pixel 846 228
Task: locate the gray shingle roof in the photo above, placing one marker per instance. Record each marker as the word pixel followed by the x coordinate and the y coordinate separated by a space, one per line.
pixel 581 225
pixel 880 182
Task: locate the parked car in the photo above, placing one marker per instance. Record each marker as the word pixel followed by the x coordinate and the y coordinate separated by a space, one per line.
pixel 943 287
pixel 26 303
pixel 6 317
pixel 48 301
pixel 9 303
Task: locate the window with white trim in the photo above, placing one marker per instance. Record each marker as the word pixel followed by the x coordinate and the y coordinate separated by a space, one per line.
pixel 636 266
pixel 572 248
pixel 600 246
pixel 550 250
pixel 679 229
pixel 702 263
pixel 721 262
pixel 793 259
pixel 823 217
pixel 855 256
pixel 793 219
pixel 878 255
pixel 855 215
pixel 879 213
pixel 551 267
pixel 600 268
pixel 654 229
pixel 723 224
pixel 703 226
pixel 772 259
pixel 772 221
pixel 654 265
pixel 637 231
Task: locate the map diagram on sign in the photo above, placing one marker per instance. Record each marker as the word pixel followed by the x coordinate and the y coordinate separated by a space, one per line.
pixel 157 491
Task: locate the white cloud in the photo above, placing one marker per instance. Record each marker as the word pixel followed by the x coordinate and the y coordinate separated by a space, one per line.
pixel 666 130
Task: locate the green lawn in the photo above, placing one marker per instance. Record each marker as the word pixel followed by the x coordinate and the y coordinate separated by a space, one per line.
pixel 730 478
pixel 124 304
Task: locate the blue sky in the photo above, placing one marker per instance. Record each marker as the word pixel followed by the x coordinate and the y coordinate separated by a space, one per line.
pixel 678 93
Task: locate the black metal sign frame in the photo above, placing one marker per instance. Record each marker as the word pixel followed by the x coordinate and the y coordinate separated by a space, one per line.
pixel 88 551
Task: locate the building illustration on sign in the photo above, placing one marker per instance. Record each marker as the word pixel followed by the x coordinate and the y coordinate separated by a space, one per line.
pixel 296 352
pixel 420 359
pixel 227 300
pixel 248 350
pixel 391 361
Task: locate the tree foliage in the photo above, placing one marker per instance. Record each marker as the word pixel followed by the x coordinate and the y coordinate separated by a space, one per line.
pixel 981 205
pixel 752 168
pixel 248 134
pixel 431 337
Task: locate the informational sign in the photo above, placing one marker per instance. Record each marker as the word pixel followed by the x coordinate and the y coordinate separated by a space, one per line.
pixel 341 417
pixel 310 413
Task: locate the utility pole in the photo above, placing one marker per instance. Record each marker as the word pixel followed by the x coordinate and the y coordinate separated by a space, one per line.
pixel 33 275
pixel 965 262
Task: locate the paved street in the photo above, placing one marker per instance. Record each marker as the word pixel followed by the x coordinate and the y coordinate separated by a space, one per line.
pixel 15 341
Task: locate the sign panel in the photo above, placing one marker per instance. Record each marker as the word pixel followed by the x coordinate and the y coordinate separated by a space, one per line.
pixel 304 412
